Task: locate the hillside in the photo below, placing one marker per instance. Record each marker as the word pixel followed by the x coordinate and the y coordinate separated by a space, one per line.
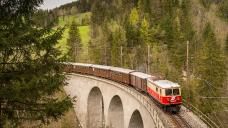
pixel 164 27
pixel 200 16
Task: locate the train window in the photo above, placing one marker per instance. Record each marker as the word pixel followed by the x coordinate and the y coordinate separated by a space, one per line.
pixel 156 89
pixel 168 92
pixel 160 91
pixel 175 91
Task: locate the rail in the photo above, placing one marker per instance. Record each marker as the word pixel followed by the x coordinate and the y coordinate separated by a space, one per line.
pixel 201 115
pixel 180 122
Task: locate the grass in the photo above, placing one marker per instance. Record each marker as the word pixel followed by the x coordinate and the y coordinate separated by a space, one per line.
pixel 62 45
pixel 85 36
pixel 83 30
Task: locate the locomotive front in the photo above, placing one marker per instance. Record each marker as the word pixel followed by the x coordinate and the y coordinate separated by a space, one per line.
pixel 167 93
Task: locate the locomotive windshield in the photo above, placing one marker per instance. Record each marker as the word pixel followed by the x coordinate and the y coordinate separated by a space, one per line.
pixel 170 92
pixel 175 91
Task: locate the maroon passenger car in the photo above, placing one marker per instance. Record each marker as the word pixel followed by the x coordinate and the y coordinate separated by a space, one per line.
pixel 139 80
pixel 101 71
pixel 120 75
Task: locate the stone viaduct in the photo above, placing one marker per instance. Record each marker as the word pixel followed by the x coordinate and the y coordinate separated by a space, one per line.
pixel 105 104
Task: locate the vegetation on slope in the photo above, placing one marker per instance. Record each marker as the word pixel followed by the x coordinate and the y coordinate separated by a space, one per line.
pixel 201 16
pixel 164 27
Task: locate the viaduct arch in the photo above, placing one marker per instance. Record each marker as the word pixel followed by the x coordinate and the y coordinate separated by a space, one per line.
pixel 136 120
pixel 116 113
pixel 95 108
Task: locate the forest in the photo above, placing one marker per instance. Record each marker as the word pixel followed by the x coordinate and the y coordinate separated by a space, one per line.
pixel 185 41
pixel 155 37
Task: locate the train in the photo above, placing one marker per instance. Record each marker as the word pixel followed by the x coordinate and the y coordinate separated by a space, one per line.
pixel 165 93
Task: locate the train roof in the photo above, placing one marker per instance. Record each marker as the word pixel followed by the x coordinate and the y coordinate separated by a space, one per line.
pixel 141 75
pixel 166 84
pixel 122 70
pixel 82 64
pixel 101 66
pixel 155 78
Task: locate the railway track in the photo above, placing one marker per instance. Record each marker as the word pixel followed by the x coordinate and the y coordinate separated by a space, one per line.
pixel 179 121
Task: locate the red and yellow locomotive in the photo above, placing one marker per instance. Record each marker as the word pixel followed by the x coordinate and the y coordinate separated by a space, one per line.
pixel 167 93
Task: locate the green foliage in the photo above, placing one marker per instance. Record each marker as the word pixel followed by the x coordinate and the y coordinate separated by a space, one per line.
pixel 145 31
pixel 226 45
pixel 74 43
pixel 206 3
pixel 210 70
pixel 144 6
pixel 165 26
pixel 86 19
pixel 134 17
pixel 85 34
pixel 45 18
pixel 140 30
pixel 223 10
pixel 30 73
pixel 73 8
pixel 82 19
pixel 118 40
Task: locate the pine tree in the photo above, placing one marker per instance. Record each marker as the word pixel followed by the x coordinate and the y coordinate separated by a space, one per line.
pixel 30 73
pixel 74 43
pixel 210 70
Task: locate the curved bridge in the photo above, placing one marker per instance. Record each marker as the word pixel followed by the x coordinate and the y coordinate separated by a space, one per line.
pixel 105 104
